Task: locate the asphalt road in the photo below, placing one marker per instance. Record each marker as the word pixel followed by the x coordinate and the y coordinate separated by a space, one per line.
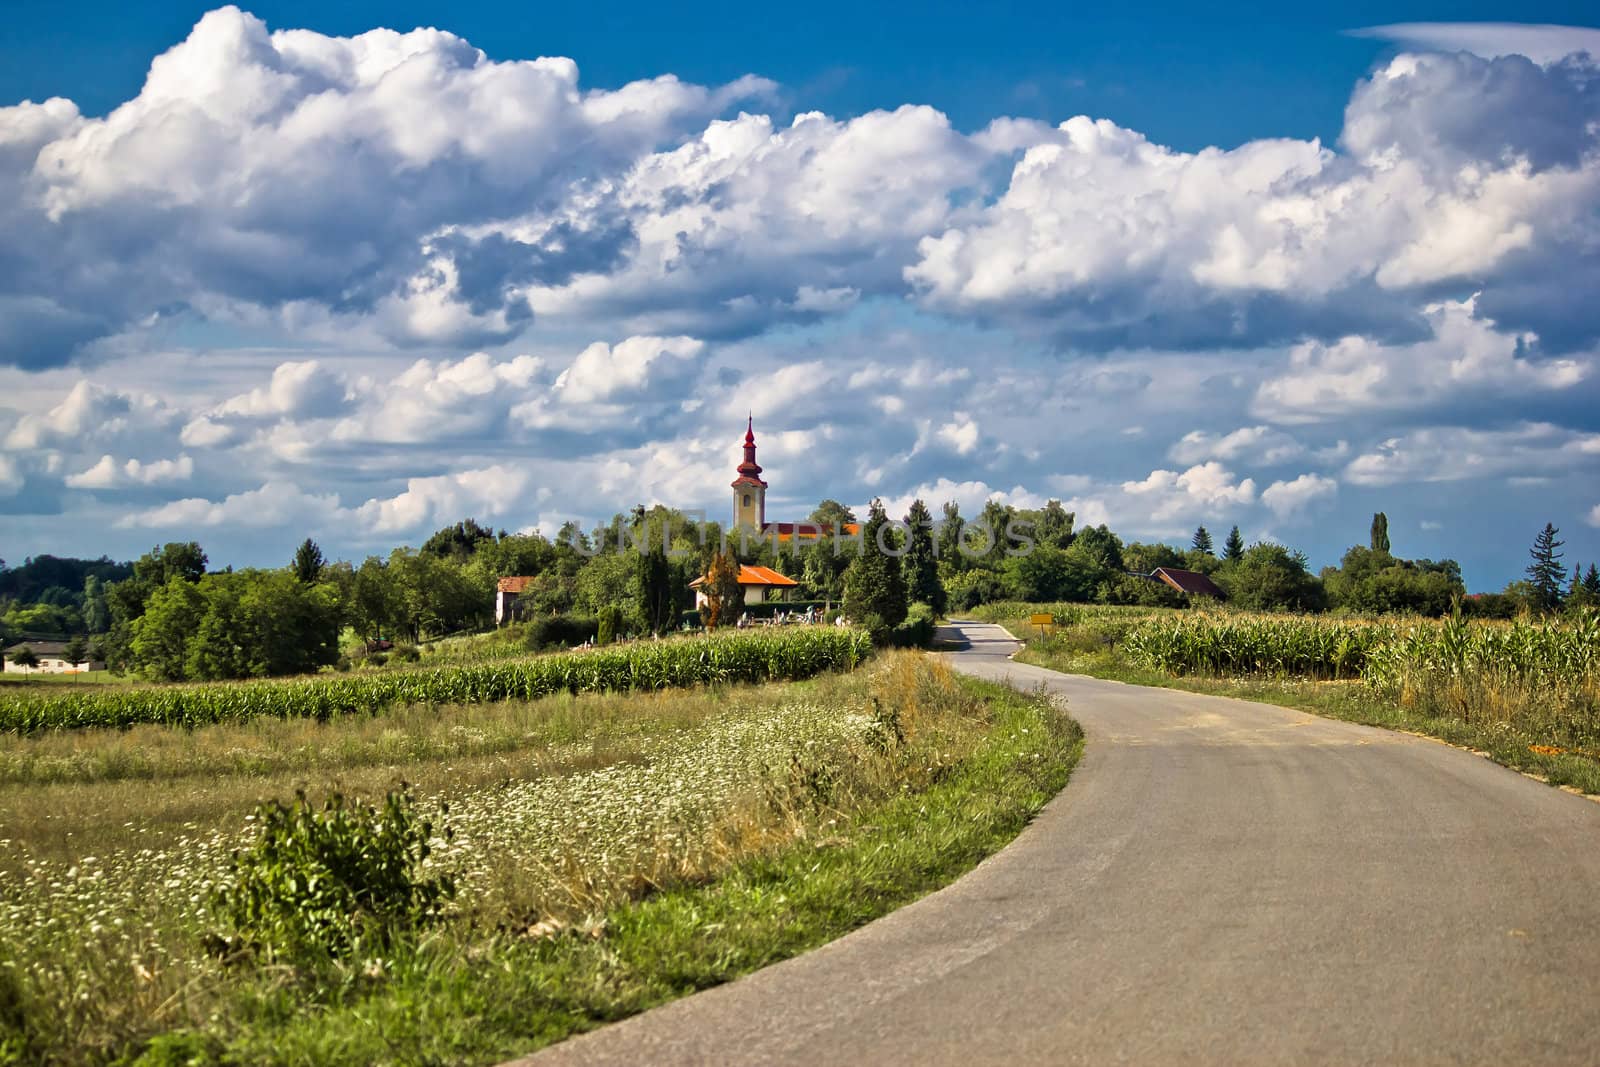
pixel 1220 882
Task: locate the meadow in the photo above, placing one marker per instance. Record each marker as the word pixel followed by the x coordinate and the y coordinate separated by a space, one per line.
pixel 604 850
pixel 1526 692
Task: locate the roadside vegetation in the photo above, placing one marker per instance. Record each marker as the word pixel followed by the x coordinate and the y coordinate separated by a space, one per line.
pixel 269 892
pixel 1526 692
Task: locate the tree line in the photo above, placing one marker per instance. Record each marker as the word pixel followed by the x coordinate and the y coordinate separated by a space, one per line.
pixel 166 616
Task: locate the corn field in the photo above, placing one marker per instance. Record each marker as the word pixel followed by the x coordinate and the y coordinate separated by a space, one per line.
pixel 1306 648
pixel 775 655
pixel 1542 678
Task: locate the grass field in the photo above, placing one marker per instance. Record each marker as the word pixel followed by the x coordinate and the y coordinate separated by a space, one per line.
pixel 610 850
pixel 1526 694
pixel 23 680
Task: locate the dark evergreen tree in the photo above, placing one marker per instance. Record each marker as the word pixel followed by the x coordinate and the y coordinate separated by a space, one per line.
pixel 1545 572
pixel 657 596
pixel 1202 541
pixel 950 536
pixel 874 591
pixel 308 561
pixel 920 567
pixel 1380 533
pixel 1233 547
pixel 1591 582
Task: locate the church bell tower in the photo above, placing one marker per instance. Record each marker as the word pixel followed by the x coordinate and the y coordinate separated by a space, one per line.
pixel 749 491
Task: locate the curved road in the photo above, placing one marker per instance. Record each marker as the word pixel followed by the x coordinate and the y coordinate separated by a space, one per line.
pixel 1220 882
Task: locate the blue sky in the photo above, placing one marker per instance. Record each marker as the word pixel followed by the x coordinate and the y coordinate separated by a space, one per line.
pixel 271 274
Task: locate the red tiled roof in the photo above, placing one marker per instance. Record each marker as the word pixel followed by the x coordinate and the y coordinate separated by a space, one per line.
pixel 808 531
pixel 1191 582
pixel 517 584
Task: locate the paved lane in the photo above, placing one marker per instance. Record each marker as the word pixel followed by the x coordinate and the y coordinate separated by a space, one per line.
pixel 1221 882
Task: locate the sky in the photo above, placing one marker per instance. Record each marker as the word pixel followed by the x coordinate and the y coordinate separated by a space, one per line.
pixel 308 270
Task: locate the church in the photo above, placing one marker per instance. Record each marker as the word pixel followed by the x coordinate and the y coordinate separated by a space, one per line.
pixel 762 584
pixel 750 503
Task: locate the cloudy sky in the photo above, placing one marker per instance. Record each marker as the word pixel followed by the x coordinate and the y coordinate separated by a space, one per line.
pixel 297 273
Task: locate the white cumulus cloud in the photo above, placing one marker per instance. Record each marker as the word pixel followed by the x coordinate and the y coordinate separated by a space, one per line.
pixel 107 473
pixel 1288 498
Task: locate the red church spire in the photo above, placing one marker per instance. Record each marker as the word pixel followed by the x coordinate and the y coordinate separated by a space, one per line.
pixel 750 470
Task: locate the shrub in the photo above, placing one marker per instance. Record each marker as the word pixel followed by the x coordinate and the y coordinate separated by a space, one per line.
pixel 609 622
pixel 561 631
pixel 917 630
pixel 328 883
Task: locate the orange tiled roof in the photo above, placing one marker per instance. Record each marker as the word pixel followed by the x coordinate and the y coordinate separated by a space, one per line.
pixel 750 574
pixel 518 584
pixel 808 531
pixel 753 575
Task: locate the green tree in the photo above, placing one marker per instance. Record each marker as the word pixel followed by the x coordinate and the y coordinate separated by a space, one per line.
pixel 1591 582
pixel 658 594
pixel 1372 583
pixel 1271 577
pixel 1380 533
pixel 288 626
pixel 949 539
pixel 1202 541
pixel 1100 545
pixel 458 541
pixel 96 609
pixel 832 514
pixel 722 596
pixel 1233 547
pixel 25 658
pixel 1049 573
pixel 176 559
pixel 1053 524
pixel 77 650
pixel 874 590
pixel 161 635
pixel 218 649
pixel 371 610
pixel 920 565
pixel 308 561
pixel 1545 572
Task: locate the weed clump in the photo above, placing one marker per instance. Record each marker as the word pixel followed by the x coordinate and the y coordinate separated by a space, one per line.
pixel 329 883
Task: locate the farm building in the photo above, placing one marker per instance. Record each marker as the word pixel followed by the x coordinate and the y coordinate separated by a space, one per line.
pixel 506 595
pixel 1189 583
pixel 52 656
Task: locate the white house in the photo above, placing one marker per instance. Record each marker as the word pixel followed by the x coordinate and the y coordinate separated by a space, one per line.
pixel 52 656
pixel 760 584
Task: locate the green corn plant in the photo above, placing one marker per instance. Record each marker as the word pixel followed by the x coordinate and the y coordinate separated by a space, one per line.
pixel 741 656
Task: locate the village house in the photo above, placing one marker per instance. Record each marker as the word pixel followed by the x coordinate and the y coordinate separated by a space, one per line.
pixel 760 585
pixel 52 657
pixel 506 595
pixel 1189 583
